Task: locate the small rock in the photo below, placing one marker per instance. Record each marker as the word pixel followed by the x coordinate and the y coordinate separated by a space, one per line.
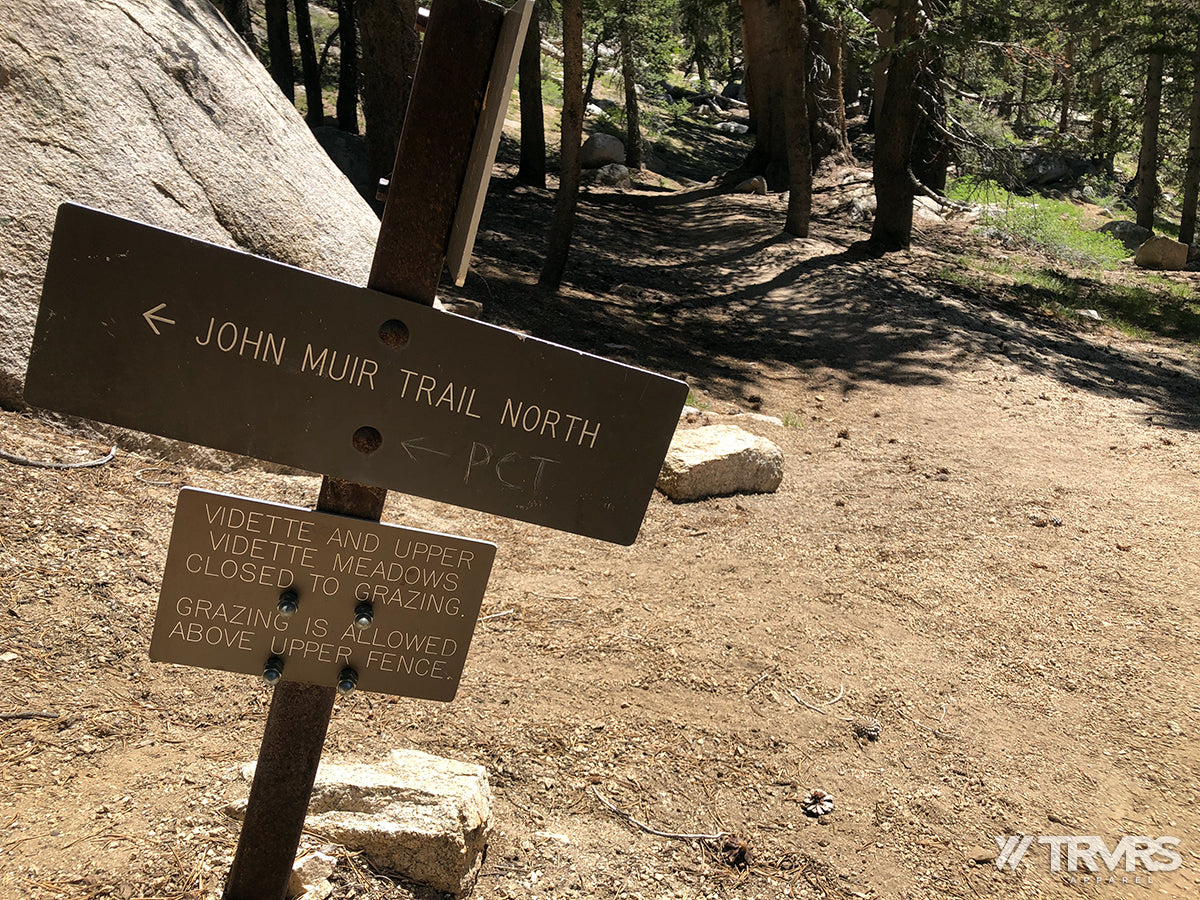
pixel 1089 314
pixel 755 185
pixel 980 856
pixel 310 876
pixel 613 175
pixel 718 460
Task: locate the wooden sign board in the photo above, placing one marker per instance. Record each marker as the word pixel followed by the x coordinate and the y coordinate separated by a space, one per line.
pixel 231 559
pixel 150 330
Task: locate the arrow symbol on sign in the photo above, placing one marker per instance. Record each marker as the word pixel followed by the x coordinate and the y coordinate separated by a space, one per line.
pixel 151 318
pixel 415 444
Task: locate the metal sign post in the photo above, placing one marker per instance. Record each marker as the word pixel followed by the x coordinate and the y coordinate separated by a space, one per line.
pixel 451 75
pixel 151 330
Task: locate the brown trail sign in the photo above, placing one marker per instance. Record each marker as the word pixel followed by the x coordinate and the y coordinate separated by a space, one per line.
pixel 247 583
pixel 193 341
pixel 158 332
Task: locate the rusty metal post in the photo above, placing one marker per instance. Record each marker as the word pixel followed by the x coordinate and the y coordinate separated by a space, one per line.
pixel 431 162
pixel 435 146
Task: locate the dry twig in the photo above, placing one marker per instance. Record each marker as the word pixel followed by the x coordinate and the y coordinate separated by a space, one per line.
pixel 763 677
pixel 499 615
pixel 28 715
pixel 654 831
pixel 23 461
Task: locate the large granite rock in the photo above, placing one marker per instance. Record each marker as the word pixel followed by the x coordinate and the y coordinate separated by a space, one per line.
pixel 717 460
pixel 154 110
pixel 1161 252
pixel 1131 234
pixel 601 150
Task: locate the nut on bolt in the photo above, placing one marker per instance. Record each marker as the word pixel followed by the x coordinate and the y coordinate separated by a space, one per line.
pixel 364 615
pixel 289 602
pixel 273 670
pixel 347 680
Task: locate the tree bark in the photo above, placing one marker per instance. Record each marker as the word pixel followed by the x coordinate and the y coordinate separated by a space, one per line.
pixel 563 223
pixel 633 128
pixel 832 41
pixel 593 69
pixel 931 150
pixel 1068 84
pixel 279 47
pixel 347 98
pixel 1191 178
pixel 532 169
pixel 387 30
pixel 883 17
pixel 238 14
pixel 894 131
pixel 765 26
pixel 765 45
pixel 1147 176
pixel 799 210
pixel 829 136
pixel 308 63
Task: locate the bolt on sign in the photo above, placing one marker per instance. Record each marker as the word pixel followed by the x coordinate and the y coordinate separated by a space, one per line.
pixel 283 592
pixel 150 330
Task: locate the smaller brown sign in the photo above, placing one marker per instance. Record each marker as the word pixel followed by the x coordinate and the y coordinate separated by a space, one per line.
pixel 395 606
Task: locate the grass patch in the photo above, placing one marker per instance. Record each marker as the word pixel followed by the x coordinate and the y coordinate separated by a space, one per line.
pixel 1139 304
pixel 1055 228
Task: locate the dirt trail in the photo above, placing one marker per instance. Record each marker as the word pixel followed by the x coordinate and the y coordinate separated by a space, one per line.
pixel 984 545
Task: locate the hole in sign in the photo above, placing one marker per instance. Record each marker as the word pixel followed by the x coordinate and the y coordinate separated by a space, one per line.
pixel 393 333
pixel 367 439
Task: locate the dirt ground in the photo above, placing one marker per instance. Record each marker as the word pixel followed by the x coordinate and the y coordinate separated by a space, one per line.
pixel 971 609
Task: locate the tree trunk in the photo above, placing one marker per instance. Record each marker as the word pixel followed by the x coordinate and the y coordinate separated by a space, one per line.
pixel 1100 101
pixel 347 98
pixel 633 129
pixel 593 69
pixel 834 98
pixel 1068 83
pixel 1022 102
pixel 387 29
pixel 799 210
pixel 765 46
pixel 1147 176
pixel 279 47
pixel 572 137
pixel 883 17
pixel 308 63
pixel 931 150
pixel 894 130
pixel 532 169
pixel 238 14
pixel 765 26
pixel 1191 178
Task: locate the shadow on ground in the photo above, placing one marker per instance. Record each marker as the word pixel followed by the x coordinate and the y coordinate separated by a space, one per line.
pixel 703 285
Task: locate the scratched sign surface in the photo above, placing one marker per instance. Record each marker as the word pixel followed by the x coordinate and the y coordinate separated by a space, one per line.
pixel 147 329
pixel 231 558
